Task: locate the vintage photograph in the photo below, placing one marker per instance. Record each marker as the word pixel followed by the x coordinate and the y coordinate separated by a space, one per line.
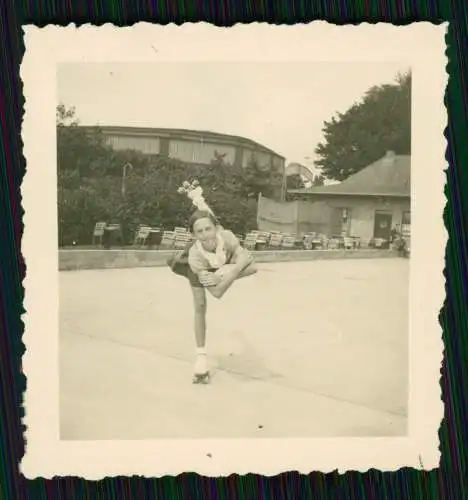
pixel 234 247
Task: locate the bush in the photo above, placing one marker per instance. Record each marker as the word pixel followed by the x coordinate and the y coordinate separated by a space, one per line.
pixel 90 187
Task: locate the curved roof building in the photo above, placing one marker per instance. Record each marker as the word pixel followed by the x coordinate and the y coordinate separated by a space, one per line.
pixel 192 146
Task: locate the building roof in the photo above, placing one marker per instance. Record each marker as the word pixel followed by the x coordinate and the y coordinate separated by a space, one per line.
pixel 172 132
pixel 389 176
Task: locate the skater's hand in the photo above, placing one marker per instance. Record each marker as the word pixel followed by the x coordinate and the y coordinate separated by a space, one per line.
pixel 209 279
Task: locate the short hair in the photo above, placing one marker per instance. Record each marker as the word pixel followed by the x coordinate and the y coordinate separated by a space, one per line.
pixel 201 214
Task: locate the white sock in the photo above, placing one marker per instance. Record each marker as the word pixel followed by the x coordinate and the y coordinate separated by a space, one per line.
pixel 201 364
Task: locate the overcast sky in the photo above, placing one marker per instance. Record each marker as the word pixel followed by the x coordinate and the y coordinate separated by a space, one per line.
pixel 280 105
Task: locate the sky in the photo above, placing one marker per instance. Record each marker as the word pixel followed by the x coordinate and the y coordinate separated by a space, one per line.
pixel 282 105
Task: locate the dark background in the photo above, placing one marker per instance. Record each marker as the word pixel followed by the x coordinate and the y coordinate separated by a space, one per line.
pixel 450 480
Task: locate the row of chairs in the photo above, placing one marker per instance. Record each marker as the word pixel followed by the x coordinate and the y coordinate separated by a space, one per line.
pixel 272 240
pixel 307 241
pixel 179 238
pixel 346 242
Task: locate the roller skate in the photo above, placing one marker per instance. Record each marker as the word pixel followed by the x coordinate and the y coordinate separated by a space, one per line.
pixel 201 373
pixel 201 378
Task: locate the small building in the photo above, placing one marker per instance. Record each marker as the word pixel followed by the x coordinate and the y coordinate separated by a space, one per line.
pixel 369 203
pixel 292 217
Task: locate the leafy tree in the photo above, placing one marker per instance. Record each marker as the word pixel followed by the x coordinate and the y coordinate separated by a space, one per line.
pixel 79 150
pixel 319 180
pixel 294 181
pixel 232 191
pixel 381 122
pixel 258 179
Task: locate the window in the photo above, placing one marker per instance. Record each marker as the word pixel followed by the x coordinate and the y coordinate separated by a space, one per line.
pixel 146 145
pixel 199 152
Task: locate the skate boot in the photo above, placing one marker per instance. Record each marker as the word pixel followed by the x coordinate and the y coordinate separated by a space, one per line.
pixel 201 373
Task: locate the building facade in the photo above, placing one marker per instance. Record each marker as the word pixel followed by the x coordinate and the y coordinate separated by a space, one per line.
pixel 292 217
pixel 193 146
pixel 367 205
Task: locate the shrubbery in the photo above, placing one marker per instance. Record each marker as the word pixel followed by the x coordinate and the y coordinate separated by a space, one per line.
pixel 90 187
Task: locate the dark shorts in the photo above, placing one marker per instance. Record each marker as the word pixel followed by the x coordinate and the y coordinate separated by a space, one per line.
pixel 179 265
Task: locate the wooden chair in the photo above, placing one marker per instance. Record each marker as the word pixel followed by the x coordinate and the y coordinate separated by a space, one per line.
pixel 142 235
pixel 182 239
pixel 167 240
pixel 357 242
pixel 288 242
pixel 275 240
pixel 333 243
pixel 348 243
pixel 263 239
pixel 98 232
pixel 308 242
pixel 321 241
pixel 381 243
pixel 250 241
pixel 264 236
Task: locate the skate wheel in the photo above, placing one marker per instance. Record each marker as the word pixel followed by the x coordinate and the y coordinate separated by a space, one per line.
pixel 203 378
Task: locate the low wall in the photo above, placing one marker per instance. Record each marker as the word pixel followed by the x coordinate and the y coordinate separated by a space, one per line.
pixel 70 260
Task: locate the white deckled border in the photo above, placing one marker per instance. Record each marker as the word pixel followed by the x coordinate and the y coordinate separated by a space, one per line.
pixel 422 47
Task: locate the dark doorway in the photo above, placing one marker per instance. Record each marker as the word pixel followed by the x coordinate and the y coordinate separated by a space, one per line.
pixel 382 225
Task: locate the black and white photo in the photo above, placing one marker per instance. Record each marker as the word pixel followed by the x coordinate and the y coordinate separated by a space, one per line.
pixel 235 258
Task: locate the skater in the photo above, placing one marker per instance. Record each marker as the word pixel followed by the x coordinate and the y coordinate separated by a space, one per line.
pixel 213 261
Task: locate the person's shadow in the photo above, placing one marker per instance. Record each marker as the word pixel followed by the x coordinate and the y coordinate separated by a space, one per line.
pixel 244 363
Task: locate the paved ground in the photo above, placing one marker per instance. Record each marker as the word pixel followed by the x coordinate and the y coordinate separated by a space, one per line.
pixel 311 349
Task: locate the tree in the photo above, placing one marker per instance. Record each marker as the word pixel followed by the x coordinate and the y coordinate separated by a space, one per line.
pixel 90 177
pixel 79 151
pixel 319 180
pixel 258 179
pixel 294 181
pixel 232 190
pixel 381 122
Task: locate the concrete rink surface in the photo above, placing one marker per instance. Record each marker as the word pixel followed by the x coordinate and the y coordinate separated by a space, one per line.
pixel 301 349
